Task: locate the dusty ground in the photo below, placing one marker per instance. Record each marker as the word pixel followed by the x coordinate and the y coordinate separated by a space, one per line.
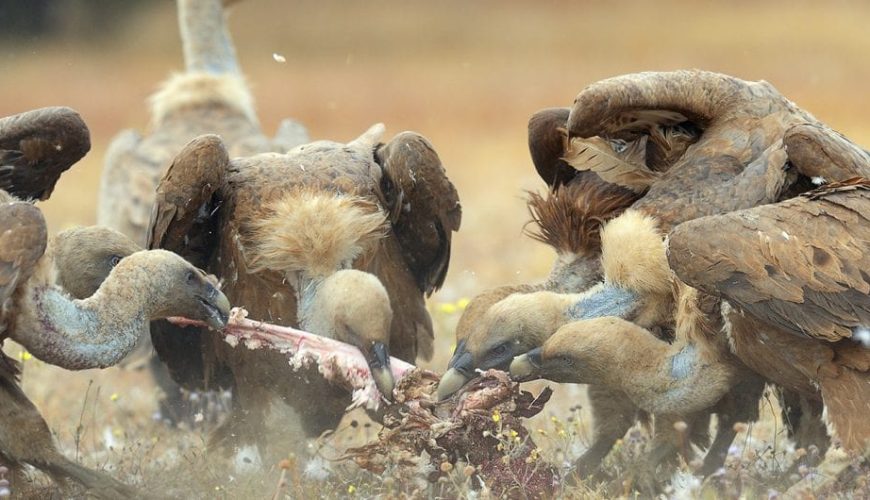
pixel 465 74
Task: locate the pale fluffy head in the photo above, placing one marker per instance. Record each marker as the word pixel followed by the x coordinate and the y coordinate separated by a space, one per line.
pixel 314 232
pixel 351 306
pixel 191 90
pixel 633 254
pixel 520 320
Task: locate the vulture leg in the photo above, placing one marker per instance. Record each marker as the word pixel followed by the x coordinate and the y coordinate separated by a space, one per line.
pixel 802 416
pixel 612 416
pixel 740 404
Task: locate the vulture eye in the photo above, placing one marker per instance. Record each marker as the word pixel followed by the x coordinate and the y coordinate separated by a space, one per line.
pixel 114 259
pixel 500 349
pixel 191 276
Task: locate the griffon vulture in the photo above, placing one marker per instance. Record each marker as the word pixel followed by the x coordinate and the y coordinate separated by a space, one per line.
pixel 209 97
pixel 343 240
pixel 723 151
pixel 37 312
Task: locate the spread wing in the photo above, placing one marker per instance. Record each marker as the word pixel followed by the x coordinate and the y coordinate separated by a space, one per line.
pixel 184 220
pixel 423 204
pixel 800 265
pixel 184 216
pixel 825 155
pixel 547 135
pixel 23 238
pixel 37 146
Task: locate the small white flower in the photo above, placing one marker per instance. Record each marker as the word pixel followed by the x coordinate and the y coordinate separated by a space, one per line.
pixel 279 58
pixel 317 469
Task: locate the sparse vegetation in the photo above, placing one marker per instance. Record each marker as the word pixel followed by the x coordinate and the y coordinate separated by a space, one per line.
pixel 467 75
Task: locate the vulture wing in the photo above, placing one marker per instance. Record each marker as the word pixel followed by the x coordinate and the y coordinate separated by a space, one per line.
pixel 547 135
pixel 184 220
pixel 423 204
pixel 825 155
pixel 37 146
pixel 23 238
pixel 184 215
pixel 800 265
pixel 290 134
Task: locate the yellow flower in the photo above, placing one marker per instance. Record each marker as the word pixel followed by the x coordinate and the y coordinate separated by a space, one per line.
pixel 496 416
pixel 463 303
pixel 514 433
pixel 24 356
pixel 114 396
pixel 447 308
pixel 351 489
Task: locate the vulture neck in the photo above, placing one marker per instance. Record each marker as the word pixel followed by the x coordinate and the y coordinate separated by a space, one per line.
pixel 309 318
pixel 573 273
pixel 658 377
pixel 95 332
pixel 207 44
pixel 603 300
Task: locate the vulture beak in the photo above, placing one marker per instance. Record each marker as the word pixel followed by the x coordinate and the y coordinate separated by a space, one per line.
pixel 378 358
pixel 217 308
pixel 461 371
pixel 527 366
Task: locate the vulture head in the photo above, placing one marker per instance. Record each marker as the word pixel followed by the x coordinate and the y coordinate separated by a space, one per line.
pixel 84 257
pixel 511 326
pixel 100 330
pixel 570 355
pixel 636 286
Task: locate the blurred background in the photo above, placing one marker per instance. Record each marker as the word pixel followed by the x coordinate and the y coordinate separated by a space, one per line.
pixel 465 74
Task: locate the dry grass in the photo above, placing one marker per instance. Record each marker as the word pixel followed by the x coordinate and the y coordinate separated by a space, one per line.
pixel 465 74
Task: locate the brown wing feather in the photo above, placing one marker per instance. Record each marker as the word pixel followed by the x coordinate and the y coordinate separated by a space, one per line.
pixel 23 238
pixel 37 146
pixel 184 211
pixel 184 220
pixel 800 265
pixel 547 135
pixel 817 151
pixel 423 204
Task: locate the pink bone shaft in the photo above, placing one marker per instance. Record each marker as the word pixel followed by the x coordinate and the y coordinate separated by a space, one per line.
pixel 286 338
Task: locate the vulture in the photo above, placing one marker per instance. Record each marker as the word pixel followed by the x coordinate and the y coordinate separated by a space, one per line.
pixel 692 143
pixel 342 240
pixel 36 147
pixel 795 290
pixel 78 334
pixel 39 314
pixel 210 96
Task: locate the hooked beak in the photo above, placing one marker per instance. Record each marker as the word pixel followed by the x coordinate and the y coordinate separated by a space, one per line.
pixel 461 371
pixel 378 358
pixel 527 366
pixel 217 309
